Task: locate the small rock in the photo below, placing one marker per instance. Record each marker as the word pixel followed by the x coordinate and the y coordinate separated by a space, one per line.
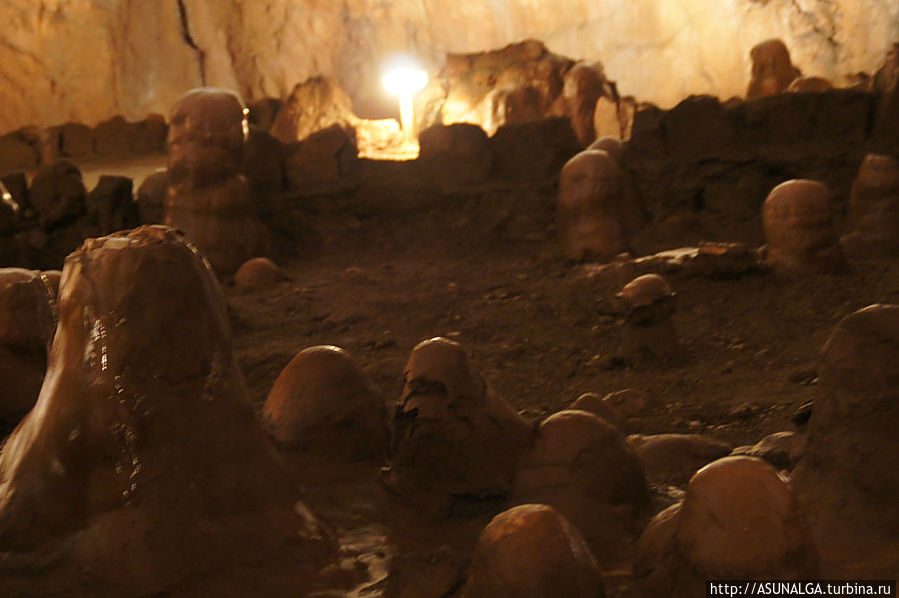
pixel 782 449
pixel 674 458
pixel 628 402
pixel 593 403
pixel 258 273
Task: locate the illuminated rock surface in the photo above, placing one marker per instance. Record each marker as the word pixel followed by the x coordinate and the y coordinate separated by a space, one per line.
pixel 88 61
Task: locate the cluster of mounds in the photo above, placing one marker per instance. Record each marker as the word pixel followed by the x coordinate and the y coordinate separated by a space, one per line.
pixel 142 468
pixel 702 155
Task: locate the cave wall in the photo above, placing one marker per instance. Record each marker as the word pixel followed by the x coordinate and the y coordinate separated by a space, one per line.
pixel 86 60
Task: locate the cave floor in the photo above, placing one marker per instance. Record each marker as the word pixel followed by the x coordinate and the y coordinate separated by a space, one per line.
pixel 485 270
pixel 541 332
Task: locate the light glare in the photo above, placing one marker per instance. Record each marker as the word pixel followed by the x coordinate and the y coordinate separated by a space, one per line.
pixel 404 81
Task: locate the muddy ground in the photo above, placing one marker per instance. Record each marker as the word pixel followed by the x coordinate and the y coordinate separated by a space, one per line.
pixel 377 266
pixel 483 268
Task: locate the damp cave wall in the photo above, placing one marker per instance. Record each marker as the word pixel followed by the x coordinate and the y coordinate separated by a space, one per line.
pixel 88 60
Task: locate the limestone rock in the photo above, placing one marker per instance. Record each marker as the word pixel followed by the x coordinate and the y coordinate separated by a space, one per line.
pixel 18 151
pixel 207 196
pixel 263 162
pixel 513 84
pixel 113 137
pixel 772 70
pixel 738 520
pixel 798 221
pixel 148 490
pixel 672 459
pixel 885 138
pixel 146 54
pixel 257 273
pixel 530 551
pixel 221 219
pixel 698 127
pixel 584 84
pixel 320 158
pixel 263 112
pixel 148 135
pixel 58 194
pixel 511 105
pixel 809 85
pixel 151 197
pixel 76 140
pixel 781 449
pixel 582 466
pixel 595 404
pixel 592 207
pixel 458 154
pixel 111 206
pixel 648 332
pixel 873 218
pixel 312 106
pixel 451 437
pixel 842 475
pixel 323 403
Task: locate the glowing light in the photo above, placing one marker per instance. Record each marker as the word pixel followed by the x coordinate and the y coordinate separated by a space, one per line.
pixel 6 197
pixel 403 81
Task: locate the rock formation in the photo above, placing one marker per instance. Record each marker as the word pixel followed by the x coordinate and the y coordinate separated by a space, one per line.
pixel 798 221
pixel 207 196
pixel 258 273
pixel 530 551
pixel 323 403
pixel 451 437
pixel 592 206
pixel 845 475
pixel 648 332
pixel 738 520
pixel 142 465
pixel 581 466
pixel 772 71
pixel 146 55
pixel 873 219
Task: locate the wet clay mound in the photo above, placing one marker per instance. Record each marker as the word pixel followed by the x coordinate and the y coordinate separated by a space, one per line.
pixel 323 402
pixel 531 551
pixel 847 474
pixel 207 195
pixel 738 520
pixel 142 463
pixel 582 466
pixel 452 438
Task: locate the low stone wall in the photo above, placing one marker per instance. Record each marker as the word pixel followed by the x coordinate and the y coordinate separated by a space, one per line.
pixel 29 147
pixel 704 155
